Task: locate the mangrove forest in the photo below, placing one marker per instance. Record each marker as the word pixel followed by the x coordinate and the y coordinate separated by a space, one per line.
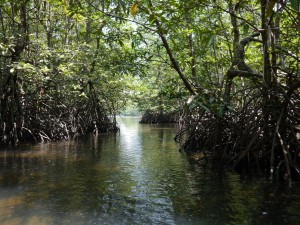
pixel 227 72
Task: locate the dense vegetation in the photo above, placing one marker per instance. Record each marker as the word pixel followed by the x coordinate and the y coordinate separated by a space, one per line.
pixel 229 69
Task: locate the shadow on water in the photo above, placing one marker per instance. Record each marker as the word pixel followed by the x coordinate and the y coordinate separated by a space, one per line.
pixel 136 176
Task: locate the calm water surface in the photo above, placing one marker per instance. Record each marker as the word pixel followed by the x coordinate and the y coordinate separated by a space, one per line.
pixel 137 176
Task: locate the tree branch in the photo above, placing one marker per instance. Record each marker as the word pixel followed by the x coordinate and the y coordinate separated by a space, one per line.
pixel 231 73
pixel 250 38
pixel 174 62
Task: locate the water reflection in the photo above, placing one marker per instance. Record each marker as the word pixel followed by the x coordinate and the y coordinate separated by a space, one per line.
pixel 137 176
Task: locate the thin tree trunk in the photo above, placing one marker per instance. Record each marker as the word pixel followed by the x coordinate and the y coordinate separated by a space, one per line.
pixel 265 34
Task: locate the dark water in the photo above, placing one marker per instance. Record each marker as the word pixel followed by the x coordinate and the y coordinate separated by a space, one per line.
pixel 137 176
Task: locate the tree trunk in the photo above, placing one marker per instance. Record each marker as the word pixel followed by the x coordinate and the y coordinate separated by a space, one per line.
pixel 11 109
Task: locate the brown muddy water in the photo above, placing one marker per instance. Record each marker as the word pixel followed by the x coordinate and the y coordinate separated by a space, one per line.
pixel 136 176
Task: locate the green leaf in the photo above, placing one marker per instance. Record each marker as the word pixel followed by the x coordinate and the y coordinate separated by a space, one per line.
pixel 204 107
pixel 246 28
pixel 150 57
pixel 221 111
pixel 121 43
pixel 211 100
pixel 163 19
pixel 140 35
pixel 211 40
pixel 230 108
pixel 152 18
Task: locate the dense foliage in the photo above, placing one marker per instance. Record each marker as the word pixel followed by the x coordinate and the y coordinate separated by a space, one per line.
pixel 60 70
pixel 239 61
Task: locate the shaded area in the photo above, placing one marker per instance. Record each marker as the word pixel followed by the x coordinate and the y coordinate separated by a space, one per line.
pixel 152 116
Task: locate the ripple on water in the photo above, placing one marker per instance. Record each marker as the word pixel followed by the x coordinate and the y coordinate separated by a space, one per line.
pixel 134 177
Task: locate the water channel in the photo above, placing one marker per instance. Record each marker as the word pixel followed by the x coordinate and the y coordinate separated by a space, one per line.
pixel 136 176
